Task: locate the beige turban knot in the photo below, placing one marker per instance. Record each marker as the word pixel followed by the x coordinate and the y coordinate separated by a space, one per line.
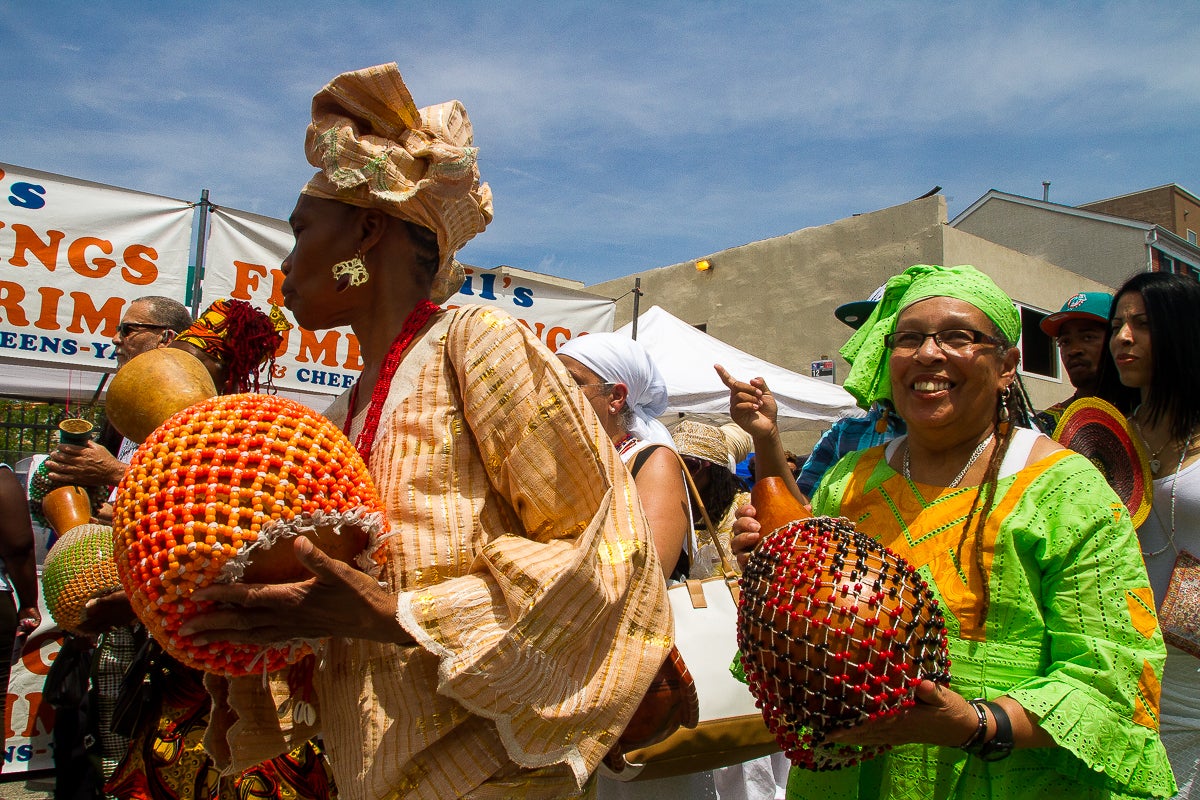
pixel 740 443
pixel 376 149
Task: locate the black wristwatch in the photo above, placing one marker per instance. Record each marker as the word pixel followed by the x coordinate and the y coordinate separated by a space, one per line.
pixel 1000 746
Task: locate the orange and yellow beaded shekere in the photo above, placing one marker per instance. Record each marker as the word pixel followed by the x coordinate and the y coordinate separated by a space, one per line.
pixel 209 493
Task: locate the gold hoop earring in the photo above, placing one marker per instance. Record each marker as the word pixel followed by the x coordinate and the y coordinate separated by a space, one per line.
pixel 354 270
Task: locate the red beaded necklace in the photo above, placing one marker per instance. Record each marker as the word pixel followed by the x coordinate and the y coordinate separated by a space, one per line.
pixel 413 323
pixel 624 443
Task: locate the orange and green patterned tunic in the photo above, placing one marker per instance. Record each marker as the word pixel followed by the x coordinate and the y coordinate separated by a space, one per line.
pixel 1070 631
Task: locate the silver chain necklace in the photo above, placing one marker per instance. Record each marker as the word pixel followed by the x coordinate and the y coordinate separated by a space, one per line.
pixel 1155 463
pixel 1170 533
pixel 970 461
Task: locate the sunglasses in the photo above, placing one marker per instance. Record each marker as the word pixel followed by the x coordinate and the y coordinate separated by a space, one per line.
pixel 127 328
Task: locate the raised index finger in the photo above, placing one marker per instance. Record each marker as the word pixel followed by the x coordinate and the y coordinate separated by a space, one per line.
pixel 730 381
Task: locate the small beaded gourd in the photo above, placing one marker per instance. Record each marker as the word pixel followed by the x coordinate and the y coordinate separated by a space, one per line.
pixel 78 567
pixel 209 493
pixel 834 629
pixel 40 485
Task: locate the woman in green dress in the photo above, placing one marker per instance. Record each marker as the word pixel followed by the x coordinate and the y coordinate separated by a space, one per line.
pixel 1055 652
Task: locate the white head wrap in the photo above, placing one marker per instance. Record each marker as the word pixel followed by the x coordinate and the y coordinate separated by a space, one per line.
pixel 618 359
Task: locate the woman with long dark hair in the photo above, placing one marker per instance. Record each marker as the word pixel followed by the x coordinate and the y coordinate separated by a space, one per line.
pixel 1154 338
pixel 706 454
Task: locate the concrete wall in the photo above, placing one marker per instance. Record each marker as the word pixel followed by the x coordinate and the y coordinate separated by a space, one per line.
pixel 1104 251
pixel 775 298
pixel 1031 282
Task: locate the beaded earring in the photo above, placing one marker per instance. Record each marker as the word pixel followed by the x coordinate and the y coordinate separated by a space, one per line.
pixel 881 424
pixel 1005 422
pixel 354 270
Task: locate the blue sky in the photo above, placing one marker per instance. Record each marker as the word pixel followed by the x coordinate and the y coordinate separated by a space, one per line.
pixel 619 137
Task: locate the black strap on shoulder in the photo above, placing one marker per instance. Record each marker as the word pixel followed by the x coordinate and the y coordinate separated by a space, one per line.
pixel 640 457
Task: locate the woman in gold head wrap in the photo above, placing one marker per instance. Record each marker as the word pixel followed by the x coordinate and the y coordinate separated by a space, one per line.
pixel 521 613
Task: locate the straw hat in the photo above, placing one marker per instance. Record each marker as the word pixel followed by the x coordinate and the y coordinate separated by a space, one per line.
pixel 703 441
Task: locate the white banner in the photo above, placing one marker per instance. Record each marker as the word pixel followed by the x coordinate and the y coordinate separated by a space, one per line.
pixel 72 256
pixel 242 262
pixel 555 313
pixel 28 718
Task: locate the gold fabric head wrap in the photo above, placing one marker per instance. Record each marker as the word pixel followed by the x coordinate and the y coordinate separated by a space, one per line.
pixel 375 149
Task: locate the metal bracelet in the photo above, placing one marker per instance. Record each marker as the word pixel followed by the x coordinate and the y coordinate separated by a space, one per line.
pixel 981 729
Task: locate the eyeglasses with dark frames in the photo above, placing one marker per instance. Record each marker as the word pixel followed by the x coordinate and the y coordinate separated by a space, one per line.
pixel 126 328
pixel 955 340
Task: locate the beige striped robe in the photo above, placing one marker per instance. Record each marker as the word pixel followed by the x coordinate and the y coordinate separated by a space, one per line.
pixel 522 566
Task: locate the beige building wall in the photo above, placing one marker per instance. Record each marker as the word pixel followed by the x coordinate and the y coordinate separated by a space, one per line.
pixel 1033 283
pixel 775 298
pixel 1106 251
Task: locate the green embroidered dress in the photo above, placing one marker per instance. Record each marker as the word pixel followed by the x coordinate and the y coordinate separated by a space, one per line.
pixel 1070 633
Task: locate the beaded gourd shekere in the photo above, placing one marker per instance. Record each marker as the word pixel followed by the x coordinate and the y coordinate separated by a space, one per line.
pixel 209 493
pixel 835 630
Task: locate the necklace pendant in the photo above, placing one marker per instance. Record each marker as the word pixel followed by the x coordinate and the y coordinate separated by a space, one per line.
pixel 1155 465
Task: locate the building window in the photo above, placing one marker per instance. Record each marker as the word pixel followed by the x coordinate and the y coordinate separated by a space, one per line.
pixel 1039 355
pixel 1191 236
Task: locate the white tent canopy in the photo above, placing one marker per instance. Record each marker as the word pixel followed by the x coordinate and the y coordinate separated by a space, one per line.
pixel 685 357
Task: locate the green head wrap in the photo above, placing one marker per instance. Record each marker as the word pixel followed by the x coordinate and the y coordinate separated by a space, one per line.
pixel 870 378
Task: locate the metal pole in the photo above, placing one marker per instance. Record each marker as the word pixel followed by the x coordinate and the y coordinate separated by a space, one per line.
pixel 193 298
pixel 637 296
pixel 99 389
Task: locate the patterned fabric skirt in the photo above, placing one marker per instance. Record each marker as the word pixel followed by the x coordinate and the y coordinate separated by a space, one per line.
pixel 167 761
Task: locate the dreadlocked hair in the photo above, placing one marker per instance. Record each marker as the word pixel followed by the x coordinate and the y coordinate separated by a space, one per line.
pixel 719 494
pixel 1012 407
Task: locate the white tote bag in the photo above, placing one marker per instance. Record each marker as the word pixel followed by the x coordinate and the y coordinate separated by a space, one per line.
pixel 730 728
